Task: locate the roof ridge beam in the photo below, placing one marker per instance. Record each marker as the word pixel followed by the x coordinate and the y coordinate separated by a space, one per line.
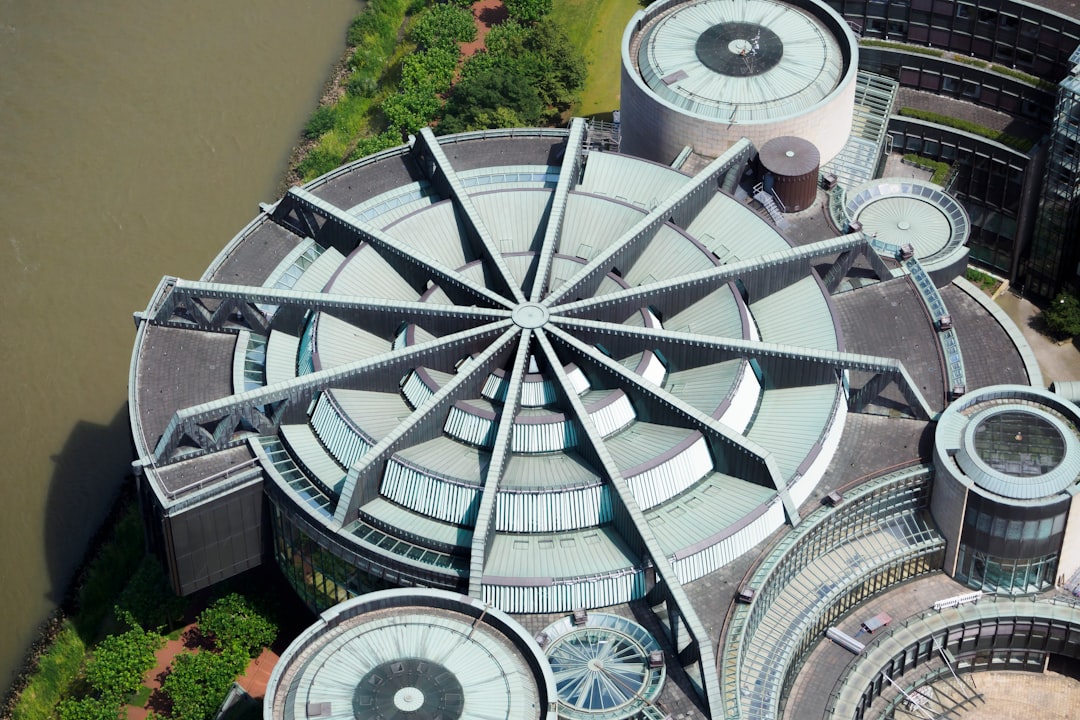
pixel 380 373
pixel 680 206
pixel 424 422
pixel 436 166
pixel 755 457
pixel 448 279
pixel 568 179
pixel 500 456
pixel 380 314
pixel 684 349
pixel 761 275
pixel 665 572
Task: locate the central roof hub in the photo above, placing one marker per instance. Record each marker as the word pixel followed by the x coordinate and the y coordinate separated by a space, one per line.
pixel 530 316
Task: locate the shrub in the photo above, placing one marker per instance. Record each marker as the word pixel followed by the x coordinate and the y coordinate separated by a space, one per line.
pixel 528 11
pixel 87 708
pixel 443 26
pixel 149 599
pixel 198 682
pixel 1018 143
pixel 235 621
pixel 1062 315
pixel 321 121
pixel 119 663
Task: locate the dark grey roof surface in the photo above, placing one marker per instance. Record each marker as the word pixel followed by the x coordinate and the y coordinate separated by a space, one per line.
pixel 256 257
pixel 989 355
pixel 177 369
pixel 367 181
pixel 495 152
pixel 890 319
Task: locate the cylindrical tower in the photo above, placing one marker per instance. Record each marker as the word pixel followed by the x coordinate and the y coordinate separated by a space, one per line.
pixel 1007 462
pixel 792 164
pixel 708 73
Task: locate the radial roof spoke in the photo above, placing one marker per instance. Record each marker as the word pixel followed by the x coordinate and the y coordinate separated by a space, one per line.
pixel 450 280
pixel 673 410
pixel 665 573
pixel 681 206
pixel 424 423
pixel 499 458
pixel 380 373
pixel 434 162
pixel 761 276
pixel 568 178
pixel 380 316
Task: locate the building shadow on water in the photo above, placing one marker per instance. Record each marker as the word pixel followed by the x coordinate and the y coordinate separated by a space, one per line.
pixel 88 474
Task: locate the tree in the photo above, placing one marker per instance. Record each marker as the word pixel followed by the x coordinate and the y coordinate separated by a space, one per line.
pixel 1062 315
pixel 120 661
pixel 198 682
pixel 527 11
pixel 492 96
pixel 149 599
pixel 87 708
pixel 443 26
pixel 234 621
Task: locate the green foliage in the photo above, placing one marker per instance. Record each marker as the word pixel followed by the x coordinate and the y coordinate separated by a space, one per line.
pixel 376 143
pixel 412 108
pixel 1018 143
pixel 1024 77
pixel 198 682
pixel 971 61
pixel 871 42
pixel 117 560
pixel 1062 315
pixel 443 26
pixel 149 599
pixel 433 68
pixel 119 663
pixel 321 121
pixel 526 74
pixel 940 169
pixel 986 282
pixel 527 11
pixel 87 708
pixel 56 671
pixel 492 98
pixel 234 621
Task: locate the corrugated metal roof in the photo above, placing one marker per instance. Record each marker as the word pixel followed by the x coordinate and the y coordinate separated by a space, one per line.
pixel 790 421
pixel 629 179
pixel 592 551
pixel 796 315
pixel 591 224
pixel 782 59
pixel 714 504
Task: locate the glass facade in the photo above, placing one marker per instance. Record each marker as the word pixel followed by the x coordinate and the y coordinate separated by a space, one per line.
pixel 322 577
pixel 1010 549
pixel 1054 255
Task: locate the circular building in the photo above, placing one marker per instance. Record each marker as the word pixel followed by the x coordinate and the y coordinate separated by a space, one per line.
pixel 1007 464
pixel 417 654
pixel 494 364
pixel 706 73
pixel 900 213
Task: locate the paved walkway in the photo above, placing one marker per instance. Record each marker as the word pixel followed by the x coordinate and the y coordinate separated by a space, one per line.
pixel 1057 361
pixel 1023 696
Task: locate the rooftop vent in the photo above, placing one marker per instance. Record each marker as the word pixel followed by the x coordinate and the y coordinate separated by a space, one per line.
pixel 832 499
pixel 656 659
pixel 580 616
pixel 745 595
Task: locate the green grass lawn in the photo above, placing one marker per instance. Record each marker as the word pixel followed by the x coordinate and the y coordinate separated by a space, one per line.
pixel 596 27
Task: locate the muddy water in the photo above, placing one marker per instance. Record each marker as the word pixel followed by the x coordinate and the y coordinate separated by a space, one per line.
pixel 136 137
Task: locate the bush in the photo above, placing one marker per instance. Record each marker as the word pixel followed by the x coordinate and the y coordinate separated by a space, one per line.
pixel 527 11
pixel 1062 315
pixel 986 282
pixel 149 599
pixel 87 708
pixel 443 26
pixel 119 663
pixel 1018 143
pixel 198 682
pixel 940 170
pixel 235 621
pixel 321 121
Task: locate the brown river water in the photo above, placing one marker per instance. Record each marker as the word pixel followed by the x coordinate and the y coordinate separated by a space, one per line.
pixel 136 138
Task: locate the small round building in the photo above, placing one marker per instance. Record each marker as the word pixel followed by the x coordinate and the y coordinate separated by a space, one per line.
pixel 1007 473
pixel 706 73
pixel 421 654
